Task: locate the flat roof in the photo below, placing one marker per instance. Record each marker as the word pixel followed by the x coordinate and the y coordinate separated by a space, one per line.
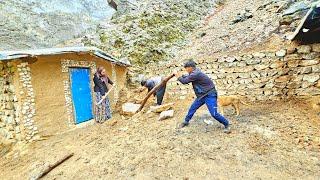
pixel 10 55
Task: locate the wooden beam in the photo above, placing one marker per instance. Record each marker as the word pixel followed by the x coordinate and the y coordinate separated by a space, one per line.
pixel 163 82
pixel 51 167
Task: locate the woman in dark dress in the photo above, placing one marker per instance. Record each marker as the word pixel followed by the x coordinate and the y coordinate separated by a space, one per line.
pixel 101 81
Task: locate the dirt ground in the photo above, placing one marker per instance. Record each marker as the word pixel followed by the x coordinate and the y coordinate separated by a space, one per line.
pixel 274 140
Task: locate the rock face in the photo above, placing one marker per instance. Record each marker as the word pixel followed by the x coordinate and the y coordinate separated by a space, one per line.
pixel 150 30
pixel 36 24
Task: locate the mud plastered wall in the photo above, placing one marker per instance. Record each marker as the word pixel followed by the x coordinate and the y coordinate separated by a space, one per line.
pixel 259 76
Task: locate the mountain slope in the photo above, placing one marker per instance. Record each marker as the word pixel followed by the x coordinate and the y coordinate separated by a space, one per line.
pixel 37 24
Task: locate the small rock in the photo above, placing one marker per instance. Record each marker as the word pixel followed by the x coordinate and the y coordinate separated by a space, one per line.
pixel 316 69
pixel 291 50
pixel 306 70
pixel 259 55
pixel 278 64
pixel 166 114
pixel 281 53
pixel 311 78
pixel 316 47
pixel 261 66
pixel 309 62
pixel 164 107
pixel 309 56
pixel 130 108
pixel 270 54
pixel 304 49
pixel 283 79
pixel 230 59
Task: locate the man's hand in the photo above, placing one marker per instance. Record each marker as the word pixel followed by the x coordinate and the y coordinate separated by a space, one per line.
pixel 178 73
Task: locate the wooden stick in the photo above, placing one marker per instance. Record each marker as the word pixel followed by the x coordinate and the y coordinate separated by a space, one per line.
pixel 51 167
pixel 105 96
pixel 163 82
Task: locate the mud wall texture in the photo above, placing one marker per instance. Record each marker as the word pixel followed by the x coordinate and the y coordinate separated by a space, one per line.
pixel 292 72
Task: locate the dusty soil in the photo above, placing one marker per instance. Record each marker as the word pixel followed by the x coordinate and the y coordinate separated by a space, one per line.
pixel 271 140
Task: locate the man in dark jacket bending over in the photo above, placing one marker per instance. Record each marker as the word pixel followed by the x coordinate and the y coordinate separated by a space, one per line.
pixel 205 91
pixel 153 82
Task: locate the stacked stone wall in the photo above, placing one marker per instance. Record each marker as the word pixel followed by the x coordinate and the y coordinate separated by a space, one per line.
pixel 259 76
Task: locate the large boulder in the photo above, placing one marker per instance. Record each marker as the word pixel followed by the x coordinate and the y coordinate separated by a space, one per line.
pixel 130 108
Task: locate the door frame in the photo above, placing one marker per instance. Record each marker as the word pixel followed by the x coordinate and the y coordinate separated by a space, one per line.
pixel 66 64
pixel 91 94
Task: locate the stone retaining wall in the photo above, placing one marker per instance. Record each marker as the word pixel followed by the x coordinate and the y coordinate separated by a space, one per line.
pixel 259 76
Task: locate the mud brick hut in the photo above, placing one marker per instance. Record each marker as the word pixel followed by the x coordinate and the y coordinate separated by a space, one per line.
pixel 48 91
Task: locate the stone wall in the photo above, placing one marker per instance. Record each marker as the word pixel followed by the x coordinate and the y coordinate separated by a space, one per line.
pixel 27 101
pixel 259 76
pixel 17 103
pixel 9 104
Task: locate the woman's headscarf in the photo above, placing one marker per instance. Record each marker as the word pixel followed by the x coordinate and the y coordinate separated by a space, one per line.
pixel 103 78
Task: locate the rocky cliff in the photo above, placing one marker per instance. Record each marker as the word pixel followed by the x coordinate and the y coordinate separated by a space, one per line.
pixel 28 24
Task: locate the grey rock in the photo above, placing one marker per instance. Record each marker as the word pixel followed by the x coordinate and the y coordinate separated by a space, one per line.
pixel 281 53
pixel 309 62
pixel 259 55
pixel 166 114
pixel 296 7
pixel 311 78
pixel 304 49
pixel 316 69
pixel 316 47
pixel 312 55
pixel 253 61
pixel 305 70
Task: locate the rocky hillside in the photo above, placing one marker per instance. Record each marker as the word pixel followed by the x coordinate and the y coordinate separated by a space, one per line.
pixel 37 24
pixel 150 30
pixel 241 26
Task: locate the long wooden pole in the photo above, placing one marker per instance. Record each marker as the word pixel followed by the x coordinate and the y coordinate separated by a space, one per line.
pixel 163 82
pixel 105 95
pixel 48 169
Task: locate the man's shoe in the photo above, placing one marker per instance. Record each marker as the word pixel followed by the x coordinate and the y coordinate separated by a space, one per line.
pixel 184 124
pixel 227 129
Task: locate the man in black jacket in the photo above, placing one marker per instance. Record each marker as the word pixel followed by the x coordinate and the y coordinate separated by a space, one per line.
pixel 205 91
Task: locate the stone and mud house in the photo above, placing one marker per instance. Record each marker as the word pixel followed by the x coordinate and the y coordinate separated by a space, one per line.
pixel 49 91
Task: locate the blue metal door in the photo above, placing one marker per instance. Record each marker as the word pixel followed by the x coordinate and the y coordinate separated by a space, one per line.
pixel 81 94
